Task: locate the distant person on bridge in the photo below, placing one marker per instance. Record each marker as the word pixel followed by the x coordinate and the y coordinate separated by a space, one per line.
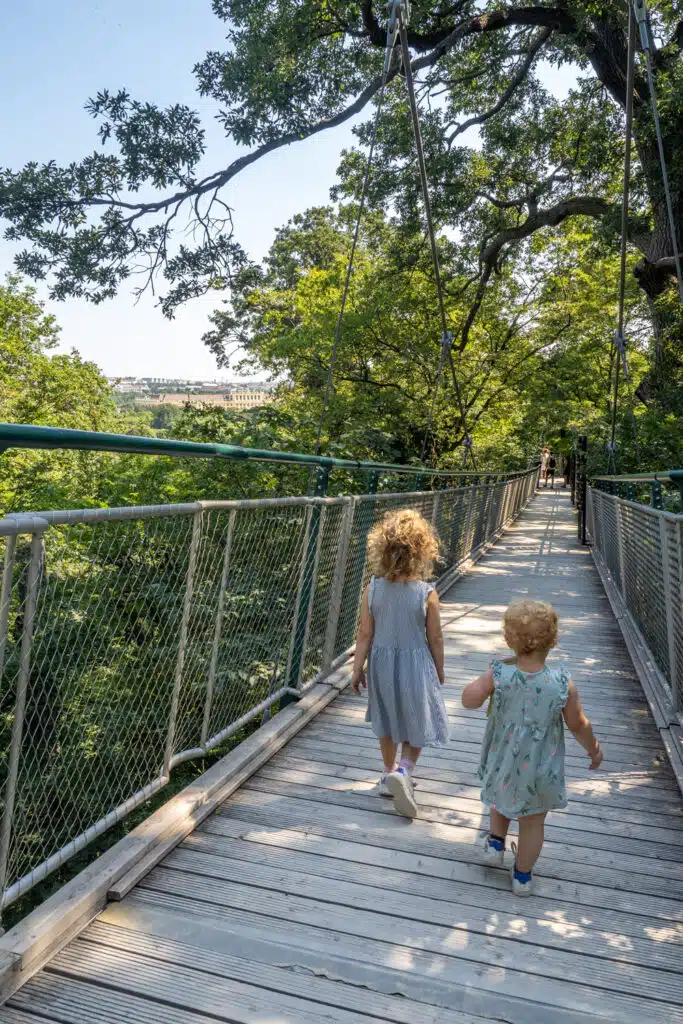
pixel 400 634
pixel 522 760
pixel 545 460
pixel 550 472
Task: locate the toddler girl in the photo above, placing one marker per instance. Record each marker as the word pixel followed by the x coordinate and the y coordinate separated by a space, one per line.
pixel 522 759
pixel 400 630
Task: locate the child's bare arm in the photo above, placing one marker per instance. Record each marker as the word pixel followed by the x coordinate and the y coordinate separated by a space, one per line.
pixel 366 631
pixel 580 726
pixel 435 634
pixel 479 690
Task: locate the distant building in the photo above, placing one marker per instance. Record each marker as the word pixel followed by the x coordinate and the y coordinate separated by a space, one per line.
pixel 236 397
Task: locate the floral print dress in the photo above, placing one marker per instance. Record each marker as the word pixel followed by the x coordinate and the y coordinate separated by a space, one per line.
pixel 522 758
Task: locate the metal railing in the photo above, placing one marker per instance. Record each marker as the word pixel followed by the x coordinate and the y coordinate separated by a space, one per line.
pixel 133 639
pixel 639 550
pixel 646 488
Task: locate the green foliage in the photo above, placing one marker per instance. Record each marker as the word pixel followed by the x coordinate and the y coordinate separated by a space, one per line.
pixel 42 388
pixel 506 159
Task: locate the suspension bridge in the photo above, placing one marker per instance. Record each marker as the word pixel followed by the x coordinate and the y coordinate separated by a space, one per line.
pixel 277 886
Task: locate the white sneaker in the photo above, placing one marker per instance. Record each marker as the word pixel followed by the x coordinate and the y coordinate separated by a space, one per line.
pixel 400 786
pixel 382 788
pixel 519 888
pixel 493 857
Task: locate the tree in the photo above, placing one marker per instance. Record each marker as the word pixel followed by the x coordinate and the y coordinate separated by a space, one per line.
pixel 46 389
pixel 298 67
pixel 539 355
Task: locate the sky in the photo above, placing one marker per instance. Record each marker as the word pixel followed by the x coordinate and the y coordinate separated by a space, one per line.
pixel 56 56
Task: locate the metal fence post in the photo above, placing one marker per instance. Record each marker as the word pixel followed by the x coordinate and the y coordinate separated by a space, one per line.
pixel 581 482
pixel 337 589
pixel 182 641
pixel 677 685
pixel 6 594
pixel 668 604
pixel 437 502
pixel 213 665
pixel 306 587
pixel 29 618
pixel 620 547
pixel 657 498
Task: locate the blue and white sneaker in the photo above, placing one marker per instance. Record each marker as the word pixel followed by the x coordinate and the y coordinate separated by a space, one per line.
pixel 522 884
pixel 494 852
pixel 400 786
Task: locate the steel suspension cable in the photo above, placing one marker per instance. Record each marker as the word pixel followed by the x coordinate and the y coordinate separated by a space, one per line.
pixel 646 42
pixel 392 32
pixel 620 340
pixel 417 132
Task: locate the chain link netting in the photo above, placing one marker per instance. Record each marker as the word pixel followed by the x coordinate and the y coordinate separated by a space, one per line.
pixel 133 639
pixel 643 550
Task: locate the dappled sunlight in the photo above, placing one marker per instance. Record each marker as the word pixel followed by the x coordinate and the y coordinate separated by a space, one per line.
pixel 668 933
pixel 307 872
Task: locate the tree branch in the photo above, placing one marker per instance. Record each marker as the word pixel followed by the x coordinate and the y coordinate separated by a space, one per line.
pixel 578 206
pixel 508 93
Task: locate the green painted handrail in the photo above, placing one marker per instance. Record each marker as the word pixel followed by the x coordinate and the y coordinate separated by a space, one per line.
pixel 662 475
pixel 16 435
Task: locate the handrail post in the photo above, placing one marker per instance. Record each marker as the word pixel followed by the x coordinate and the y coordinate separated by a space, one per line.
pixel 337 589
pixel 491 484
pixel 620 546
pixel 581 475
pixel 213 665
pixel 28 624
pixel 677 683
pixel 669 609
pixel 315 521
pixel 182 641
pixel 6 594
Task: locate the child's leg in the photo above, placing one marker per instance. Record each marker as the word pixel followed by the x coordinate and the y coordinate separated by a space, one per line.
pixel 409 756
pixel 388 749
pixel 531 836
pixel 499 824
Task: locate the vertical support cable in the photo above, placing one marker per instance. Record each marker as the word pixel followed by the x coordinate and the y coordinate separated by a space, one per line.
pixel 390 44
pixel 415 117
pixel 29 618
pixel 182 641
pixel 213 665
pixel 646 42
pixel 630 75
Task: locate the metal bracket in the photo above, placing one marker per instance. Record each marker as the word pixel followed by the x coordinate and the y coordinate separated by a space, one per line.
pixel 643 22
pixel 620 343
pixel 398 9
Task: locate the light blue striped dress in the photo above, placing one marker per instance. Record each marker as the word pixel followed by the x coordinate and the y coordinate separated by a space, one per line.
pixel 404 693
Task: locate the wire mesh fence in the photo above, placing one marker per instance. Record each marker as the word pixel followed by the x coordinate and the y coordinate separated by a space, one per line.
pixel 133 639
pixel 641 547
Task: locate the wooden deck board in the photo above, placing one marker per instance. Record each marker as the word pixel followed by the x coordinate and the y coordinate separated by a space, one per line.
pixel 307 899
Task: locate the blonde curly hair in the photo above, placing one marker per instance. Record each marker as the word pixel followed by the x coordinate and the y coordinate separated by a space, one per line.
pixel 530 626
pixel 403 544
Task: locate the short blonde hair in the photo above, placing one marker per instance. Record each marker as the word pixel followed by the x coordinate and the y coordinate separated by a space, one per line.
pixel 530 626
pixel 403 543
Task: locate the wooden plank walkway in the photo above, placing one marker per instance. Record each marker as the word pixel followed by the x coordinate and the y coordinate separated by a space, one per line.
pixel 307 899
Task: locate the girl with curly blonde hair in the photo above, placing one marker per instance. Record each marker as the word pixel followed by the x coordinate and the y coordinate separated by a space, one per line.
pixel 400 635
pixel 522 758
